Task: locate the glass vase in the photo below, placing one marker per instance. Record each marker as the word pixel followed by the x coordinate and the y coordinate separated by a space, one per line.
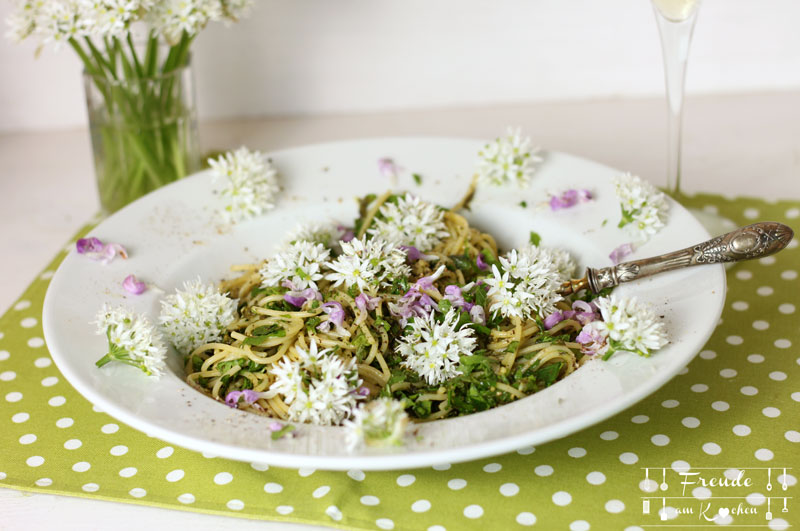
pixel 143 132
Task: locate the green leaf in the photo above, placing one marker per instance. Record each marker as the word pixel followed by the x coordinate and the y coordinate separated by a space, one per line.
pixel 269 331
pixel 485 330
pixel 417 178
pixel 444 305
pixel 262 333
pixel 535 239
pixel 549 373
pixel 627 217
pixel 312 323
pixel 489 257
pixel 464 263
pixel 512 347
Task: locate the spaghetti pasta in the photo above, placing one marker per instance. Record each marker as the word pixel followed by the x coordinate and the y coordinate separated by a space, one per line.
pixel 502 358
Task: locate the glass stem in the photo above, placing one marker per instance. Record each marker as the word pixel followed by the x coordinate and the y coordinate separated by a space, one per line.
pixel 675 40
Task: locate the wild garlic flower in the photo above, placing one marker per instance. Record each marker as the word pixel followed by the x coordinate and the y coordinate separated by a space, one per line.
pixel 131 340
pixel 644 207
pixel 320 388
pixel 379 423
pixel 171 18
pixel 563 262
pixel 432 349
pixel 300 264
pixel 510 158
pixel 196 315
pixel 528 284
pixel 367 264
pixel 410 221
pixel 250 183
pixel 60 20
pixel 626 325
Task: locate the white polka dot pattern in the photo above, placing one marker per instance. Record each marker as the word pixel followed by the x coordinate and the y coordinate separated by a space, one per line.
pixel 734 404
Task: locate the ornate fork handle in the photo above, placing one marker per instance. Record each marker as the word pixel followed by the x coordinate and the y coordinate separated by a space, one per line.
pixel 753 241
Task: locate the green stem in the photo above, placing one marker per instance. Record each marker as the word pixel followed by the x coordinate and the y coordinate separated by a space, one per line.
pixel 98 57
pixel 136 63
pixel 105 359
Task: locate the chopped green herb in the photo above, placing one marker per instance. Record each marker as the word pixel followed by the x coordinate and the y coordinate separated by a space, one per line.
pixel 286 430
pixel 311 324
pixel 523 204
pixel 417 178
pixel 549 373
pixel 534 238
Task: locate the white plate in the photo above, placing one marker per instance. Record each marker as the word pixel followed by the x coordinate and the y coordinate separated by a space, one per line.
pixel 173 235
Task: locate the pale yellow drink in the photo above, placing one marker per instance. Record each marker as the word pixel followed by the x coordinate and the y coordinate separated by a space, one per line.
pixel 676 10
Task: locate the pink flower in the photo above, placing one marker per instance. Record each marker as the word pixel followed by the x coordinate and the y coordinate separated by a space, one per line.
pixel 621 252
pixel 413 254
pixel 481 263
pixel 347 233
pixel 297 297
pixel 249 396
pixel 336 316
pixel 365 303
pixel 478 314
pixel 593 340
pixel 134 286
pixel 569 198
pixel 387 168
pixel 95 249
pixel 582 311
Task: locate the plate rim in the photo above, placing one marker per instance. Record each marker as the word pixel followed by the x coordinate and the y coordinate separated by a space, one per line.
pixel 383 461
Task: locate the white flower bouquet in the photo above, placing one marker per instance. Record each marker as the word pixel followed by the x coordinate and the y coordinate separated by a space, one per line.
pixel 135 55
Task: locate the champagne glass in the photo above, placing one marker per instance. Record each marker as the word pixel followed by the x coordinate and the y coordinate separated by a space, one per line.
pixel 676 20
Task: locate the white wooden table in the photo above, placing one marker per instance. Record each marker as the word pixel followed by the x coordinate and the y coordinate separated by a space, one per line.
pixel 734 144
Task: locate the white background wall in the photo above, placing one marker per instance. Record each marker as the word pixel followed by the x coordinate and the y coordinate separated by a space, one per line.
pixel 328 56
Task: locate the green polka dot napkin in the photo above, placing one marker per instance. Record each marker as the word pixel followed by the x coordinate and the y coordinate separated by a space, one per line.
pixel 730 417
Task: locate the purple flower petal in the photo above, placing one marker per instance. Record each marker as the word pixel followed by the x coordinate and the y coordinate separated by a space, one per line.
pixel 335 312
pixel 478 314
pixel 585 318
pixel 336 316
pixel 581 306
pixel 89 245
pixel 294 300
pixel 413 254
pixel 275 426
pixel 621 252
pixel 95 249
pixel 299 298
pixel 248 395
pixel 387 168
pixel 232 398
pixel 347 233
pixel 362 391
pixel 134 286
pixel 584 337
pixel 427 282
pixel 364 302
pixel 553 319
pixel 569 198
pixel 482 265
